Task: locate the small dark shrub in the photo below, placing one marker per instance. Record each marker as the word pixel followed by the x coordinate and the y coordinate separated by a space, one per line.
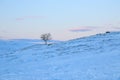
pixel 107 31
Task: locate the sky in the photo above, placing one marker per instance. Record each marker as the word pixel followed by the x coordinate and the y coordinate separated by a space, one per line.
pixel 64 19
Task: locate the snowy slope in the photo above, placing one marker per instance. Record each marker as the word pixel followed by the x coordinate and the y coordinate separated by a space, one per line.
pixel 8 47
pixel 90 58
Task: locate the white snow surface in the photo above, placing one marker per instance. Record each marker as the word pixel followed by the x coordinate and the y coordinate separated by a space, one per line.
pixel 90 58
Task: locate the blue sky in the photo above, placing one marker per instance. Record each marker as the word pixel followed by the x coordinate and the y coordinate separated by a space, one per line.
pixel 64 19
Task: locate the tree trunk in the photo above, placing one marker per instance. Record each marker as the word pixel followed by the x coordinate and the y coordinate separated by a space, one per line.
pixel 45 42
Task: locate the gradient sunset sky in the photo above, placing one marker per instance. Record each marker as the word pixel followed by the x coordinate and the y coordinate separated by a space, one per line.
pixel 64 19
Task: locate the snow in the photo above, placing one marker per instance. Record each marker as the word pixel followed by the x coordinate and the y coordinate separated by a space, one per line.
pixel 90 58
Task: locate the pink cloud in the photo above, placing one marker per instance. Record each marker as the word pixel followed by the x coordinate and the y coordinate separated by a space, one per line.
pixel 29 17
pixel 81 29
pixel 116 27
pixel 19 19
pixel 35 17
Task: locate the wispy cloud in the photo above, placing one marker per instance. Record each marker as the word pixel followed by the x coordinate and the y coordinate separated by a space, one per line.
pixel 3 31
pixel 82 29
pixel 19 19
pixel 29 17
pixel 117 28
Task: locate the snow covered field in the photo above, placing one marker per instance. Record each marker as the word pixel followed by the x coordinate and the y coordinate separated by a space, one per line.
pixel 90 58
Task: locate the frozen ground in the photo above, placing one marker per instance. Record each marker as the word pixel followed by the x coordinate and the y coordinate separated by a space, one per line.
pixel 91 58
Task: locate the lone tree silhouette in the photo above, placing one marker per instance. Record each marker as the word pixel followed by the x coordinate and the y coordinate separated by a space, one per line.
pixel 46 37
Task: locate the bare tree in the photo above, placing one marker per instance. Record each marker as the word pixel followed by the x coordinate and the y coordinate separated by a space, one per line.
pixel 46 37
